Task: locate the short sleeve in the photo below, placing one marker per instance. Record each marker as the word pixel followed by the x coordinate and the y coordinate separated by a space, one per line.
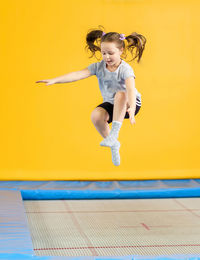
pixel 93 68
pixel 128 72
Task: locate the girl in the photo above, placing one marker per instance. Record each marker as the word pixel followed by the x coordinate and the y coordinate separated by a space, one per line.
pixel 116 82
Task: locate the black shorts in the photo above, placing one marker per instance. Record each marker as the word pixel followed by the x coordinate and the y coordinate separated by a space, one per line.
pixel 109 108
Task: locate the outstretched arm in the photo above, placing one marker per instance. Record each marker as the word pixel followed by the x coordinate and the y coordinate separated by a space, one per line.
pixel 69 77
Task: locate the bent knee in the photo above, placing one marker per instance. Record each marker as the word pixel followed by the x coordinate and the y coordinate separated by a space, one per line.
pixel 98 115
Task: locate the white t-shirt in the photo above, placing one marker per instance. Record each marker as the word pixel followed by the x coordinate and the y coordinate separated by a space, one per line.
pixel 112 81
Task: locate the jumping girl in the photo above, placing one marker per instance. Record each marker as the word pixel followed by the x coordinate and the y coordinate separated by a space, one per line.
pixel 116 80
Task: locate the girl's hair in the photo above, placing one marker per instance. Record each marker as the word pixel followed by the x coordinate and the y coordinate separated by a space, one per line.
pixel 134 40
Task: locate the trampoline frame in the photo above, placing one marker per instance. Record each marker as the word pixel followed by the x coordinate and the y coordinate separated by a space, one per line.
pixel 49 190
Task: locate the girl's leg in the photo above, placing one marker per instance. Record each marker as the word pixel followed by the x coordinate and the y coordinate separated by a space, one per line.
pixel 99 118
pixel 120 106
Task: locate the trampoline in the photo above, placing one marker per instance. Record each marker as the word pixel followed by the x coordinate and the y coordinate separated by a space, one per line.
pixel 151 219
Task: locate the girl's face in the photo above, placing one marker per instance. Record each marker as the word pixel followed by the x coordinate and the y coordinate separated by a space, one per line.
pixel 110 53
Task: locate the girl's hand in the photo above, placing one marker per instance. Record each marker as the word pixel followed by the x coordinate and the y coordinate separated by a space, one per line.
pixel 131 112
pixel 48 81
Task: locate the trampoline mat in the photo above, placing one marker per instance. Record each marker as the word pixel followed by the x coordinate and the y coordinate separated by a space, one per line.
pixel 150 227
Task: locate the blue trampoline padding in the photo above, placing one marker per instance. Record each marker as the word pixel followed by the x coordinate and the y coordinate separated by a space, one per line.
pixel 29 257
pixel 52 190
pixel 14 232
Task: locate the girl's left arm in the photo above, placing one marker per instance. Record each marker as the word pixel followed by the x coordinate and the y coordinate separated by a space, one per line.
pixel 130 86
pixel 131 92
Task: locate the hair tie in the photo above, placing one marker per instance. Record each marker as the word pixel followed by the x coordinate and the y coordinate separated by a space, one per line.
pixel 103 34
pixel 122 36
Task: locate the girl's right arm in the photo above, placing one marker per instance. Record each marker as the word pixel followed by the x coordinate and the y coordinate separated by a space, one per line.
pixel 69 77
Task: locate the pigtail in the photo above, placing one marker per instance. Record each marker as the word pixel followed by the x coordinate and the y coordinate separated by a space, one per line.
pixel 137 41
pixel 93 36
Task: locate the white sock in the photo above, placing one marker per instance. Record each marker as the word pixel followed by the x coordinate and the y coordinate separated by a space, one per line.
pixel 113 135
pixel 116 125
pixel 115 153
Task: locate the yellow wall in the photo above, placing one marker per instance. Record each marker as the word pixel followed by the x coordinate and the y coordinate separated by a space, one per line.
pixel 46 131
